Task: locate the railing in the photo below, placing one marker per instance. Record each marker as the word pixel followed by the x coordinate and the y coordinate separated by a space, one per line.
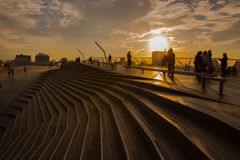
pixel 179 62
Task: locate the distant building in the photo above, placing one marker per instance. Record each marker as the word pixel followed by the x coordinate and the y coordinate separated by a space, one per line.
pixel 22 60
pixel 157 57
pixel 27 57
pixel 42 58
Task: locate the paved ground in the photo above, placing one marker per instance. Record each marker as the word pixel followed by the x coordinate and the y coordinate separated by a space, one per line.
pixel 12 86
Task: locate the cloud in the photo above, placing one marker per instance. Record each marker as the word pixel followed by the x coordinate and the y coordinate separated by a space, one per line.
pixel 202 25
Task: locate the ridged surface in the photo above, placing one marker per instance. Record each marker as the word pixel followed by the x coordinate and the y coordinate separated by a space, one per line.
pixel 80 112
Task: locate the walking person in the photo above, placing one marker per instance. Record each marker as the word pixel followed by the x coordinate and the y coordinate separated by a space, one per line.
pixel 210 64
pixel 110 59
pixel 25 69
pixel 12 71
pixel 129 56
pixel 223 64
pixel 171 61
pixel 205 61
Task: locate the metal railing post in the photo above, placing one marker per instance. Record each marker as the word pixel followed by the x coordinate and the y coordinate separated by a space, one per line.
pixel 103 52
pixel 81 53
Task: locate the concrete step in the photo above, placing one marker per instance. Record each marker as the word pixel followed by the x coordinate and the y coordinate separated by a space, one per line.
pixel 54 124
pixel 72 122
pixel 2 132
pixel 122 111
pixel 61 126
pixel 6 152
pixel 7 123
pixel 139 109
pixel 45 116
pixel 193 133
pixel 38 126
pixel 150 84
pixel 27 138
pixel 75 148
pixel 110 150
pixel 92 130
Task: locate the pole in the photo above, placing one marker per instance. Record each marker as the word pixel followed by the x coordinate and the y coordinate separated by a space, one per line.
pixel 103 52
pixel 81 53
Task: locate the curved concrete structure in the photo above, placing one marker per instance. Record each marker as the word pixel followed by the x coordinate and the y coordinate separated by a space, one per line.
pixel 81 112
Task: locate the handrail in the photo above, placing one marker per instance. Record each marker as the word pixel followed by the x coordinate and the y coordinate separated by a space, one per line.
pixel 81 53
pixel 175 72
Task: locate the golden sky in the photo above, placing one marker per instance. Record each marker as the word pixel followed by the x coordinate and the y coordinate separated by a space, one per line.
pixel 59 27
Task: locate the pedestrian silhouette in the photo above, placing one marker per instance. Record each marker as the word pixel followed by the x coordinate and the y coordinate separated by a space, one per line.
pixel 171 61
pixel 129 56
pixel 12 70
pixel 223 64
pixel 110 59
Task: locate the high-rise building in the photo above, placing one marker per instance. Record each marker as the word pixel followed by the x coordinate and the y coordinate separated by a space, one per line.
pixel 42 58
pixel 26 57
pixel 157 57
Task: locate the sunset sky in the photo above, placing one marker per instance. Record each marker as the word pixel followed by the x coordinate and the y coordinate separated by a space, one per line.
pixel 60 27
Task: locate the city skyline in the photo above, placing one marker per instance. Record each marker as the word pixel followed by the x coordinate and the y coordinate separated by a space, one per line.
pixel 60 27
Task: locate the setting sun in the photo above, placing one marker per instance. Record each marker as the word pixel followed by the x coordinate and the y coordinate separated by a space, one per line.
pixel 158 44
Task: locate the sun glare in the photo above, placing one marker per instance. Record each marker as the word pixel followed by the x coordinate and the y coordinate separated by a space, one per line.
pixel 158 44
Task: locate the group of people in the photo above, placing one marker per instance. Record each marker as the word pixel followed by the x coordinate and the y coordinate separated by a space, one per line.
pixel 12 70
pixel 203 60
pixel 78 59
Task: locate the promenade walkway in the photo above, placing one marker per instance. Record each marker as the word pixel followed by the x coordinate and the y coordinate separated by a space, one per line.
pixel 12 86
pixel 82 111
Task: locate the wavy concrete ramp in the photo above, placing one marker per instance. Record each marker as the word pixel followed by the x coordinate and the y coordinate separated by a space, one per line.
pixel 80 112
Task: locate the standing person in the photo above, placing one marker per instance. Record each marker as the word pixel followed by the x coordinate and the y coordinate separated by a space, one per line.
pixel 171 61
pixel 205 61
pixel 9 71
pixel 198 62
pixel 25 69
pixel 90 59
pixel 129 56
pixel 110 59
pixel 185 67
pixel 224 64
pixel 210 64
pixel 12 70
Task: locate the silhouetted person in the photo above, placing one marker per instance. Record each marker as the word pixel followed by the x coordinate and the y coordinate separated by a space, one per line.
pixel 90 59
pixel 205 61
pixel 110 59
pixel 9 71
pixel 171 61
pixel 224 64
pixel 25 69
pixel 185 67
pixel 12 71
pixel 210 64
pixel 129 56
pixel 198 62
